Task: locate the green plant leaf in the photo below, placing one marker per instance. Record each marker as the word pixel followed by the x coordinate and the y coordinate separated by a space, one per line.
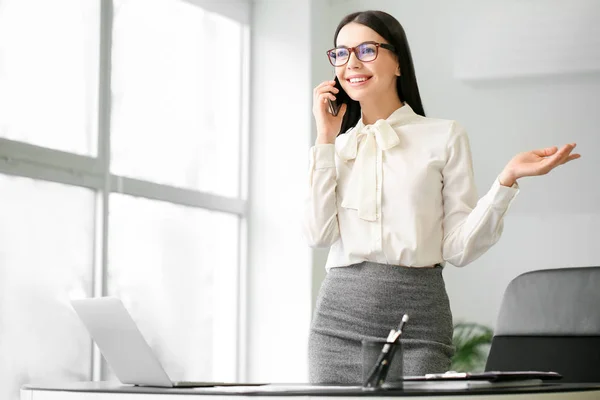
pixel 471 342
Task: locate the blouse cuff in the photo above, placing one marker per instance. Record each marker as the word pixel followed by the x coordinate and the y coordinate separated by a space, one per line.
pixel 503 196
pixel 323 156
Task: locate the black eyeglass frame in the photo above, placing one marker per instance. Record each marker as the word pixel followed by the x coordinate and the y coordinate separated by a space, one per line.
pixel 355 51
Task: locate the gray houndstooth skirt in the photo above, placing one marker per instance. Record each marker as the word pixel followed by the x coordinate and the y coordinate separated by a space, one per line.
pixel 365 301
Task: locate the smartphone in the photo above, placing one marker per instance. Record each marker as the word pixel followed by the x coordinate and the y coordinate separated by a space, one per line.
pixel 335 105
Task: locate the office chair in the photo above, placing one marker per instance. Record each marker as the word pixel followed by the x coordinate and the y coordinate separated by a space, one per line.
pixel 549 320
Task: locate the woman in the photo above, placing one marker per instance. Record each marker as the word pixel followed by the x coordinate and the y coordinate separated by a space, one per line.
pixel 392 193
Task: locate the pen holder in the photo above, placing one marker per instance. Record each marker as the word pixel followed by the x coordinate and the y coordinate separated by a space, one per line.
pixel 371 349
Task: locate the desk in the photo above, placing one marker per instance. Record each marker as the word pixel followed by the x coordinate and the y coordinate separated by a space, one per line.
pixel 112 391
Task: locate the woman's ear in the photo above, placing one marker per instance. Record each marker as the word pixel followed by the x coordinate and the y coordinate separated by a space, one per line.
pixel 398 71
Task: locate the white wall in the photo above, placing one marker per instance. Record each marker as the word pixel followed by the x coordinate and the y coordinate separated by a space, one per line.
pixel 554 220
pixel 279 260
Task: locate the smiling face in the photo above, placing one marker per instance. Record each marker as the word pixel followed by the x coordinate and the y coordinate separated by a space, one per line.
pixel 366 80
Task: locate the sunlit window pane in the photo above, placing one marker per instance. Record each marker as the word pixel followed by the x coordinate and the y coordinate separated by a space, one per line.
pixel 175 269
pixel 176 89
pixel 48 73
pixel 46 245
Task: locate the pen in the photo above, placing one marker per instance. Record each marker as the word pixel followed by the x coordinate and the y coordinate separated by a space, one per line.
pixel 388 360
pixel 380 370
pixel 398 332
pixel 401 324
pixel 376 367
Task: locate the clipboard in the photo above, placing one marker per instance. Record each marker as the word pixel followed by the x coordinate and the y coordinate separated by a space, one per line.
pixel 490 376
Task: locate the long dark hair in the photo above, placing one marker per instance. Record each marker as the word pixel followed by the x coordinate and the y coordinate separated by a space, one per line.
pixel 406 84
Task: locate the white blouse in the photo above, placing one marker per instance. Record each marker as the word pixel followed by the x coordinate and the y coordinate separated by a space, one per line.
pixel 401 191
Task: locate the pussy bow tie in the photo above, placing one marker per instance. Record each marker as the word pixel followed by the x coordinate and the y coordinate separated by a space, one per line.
pixel 362 145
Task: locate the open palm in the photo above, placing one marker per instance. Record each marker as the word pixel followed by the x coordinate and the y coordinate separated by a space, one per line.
pixel 540 162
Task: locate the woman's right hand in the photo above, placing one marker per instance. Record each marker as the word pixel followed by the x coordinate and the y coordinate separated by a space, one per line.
pixel 328 126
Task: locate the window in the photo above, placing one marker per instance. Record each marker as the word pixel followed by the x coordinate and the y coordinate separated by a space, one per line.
pixel 177 95
pixel 122 172
pixel 49 73
pixel 175 268
pixel 46 249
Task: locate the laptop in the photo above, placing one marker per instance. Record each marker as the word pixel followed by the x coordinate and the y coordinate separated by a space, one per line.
pixel 123 346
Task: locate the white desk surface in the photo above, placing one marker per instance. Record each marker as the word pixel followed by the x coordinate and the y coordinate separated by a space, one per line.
pixel 112 391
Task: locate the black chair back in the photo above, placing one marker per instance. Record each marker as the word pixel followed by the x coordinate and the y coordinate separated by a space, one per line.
pixel 549 320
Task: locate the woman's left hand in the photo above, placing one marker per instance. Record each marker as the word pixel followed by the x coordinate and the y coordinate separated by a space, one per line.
pixel 536 162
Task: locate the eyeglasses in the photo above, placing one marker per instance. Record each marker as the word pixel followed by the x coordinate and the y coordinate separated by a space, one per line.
pixel 365 52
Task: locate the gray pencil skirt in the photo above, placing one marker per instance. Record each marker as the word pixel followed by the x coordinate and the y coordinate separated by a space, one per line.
pixel 365 301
